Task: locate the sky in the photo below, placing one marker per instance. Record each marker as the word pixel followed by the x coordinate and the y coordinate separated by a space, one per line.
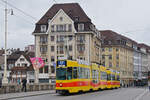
pixel 127 17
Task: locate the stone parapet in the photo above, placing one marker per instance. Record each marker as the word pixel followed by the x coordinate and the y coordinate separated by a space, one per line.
pixel 13 88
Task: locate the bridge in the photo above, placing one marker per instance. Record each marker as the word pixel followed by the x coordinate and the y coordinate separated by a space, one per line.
pixel 131 93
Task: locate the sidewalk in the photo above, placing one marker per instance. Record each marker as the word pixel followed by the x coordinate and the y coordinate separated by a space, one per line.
pixel 24 94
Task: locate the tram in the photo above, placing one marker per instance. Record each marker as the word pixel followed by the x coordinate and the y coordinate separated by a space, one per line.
pixel 79 76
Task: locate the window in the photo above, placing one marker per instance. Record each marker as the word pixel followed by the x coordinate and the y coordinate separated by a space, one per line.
pixel 110 49
pixel 43 28
pixel 18 64
pixel 61 28
pixel 117 64
pixel 46 69
pixel 103 75
pixel 43 39
pixel 110 57
pixel 21 59
pixel 117 56
pixel 69 27
pixel 110 64
pixel 52 28
pixel 103 49
pixel 117 49
pixel 103 57
pixel 118 78
pixel 52 38
pixel 52 59
pixel 52 48
pixel 81 38
pixel 24 64
pixel 52 69
pixel 61 18
pixel 80 27
pixel 70 47
pixel 61 74
pixel 69 73
pixel 75 72
pixel 43 49
pixel 81 48
pixel 70 37
pixel 112 77
pixel 60 38
pixel 60 49
pixel 108 77
pixel 41 70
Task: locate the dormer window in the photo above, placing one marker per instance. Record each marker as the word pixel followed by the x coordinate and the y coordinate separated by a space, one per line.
pixel 76 19
pixel 80 27
pixel 43 28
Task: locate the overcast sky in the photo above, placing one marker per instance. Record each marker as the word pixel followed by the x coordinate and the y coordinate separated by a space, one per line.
pixel 128 17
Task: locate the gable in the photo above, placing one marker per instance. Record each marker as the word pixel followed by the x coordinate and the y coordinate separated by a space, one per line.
pixel 61 18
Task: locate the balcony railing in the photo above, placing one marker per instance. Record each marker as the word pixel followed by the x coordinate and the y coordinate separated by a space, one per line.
pixel 43 42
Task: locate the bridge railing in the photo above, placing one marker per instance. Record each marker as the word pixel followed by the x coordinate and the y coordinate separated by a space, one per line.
pixel 13 88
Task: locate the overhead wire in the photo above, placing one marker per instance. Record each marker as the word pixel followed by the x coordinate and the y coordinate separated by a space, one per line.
pixel 19 16
pixel 20 10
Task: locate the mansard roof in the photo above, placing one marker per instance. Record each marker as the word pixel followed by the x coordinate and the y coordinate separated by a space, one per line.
pixel 73 10
pixel 115 38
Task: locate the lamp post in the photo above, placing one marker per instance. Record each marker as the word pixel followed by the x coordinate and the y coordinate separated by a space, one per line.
pixel 5 80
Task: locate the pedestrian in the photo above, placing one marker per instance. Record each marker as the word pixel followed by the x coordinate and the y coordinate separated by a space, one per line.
pixel 24 82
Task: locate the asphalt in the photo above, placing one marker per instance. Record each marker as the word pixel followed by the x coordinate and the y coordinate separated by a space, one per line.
pixel 24 94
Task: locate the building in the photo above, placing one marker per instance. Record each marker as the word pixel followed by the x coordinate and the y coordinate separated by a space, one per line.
pixel 117 53
pixel 137 63
pixel 65 31
pixel 30 48
pixel 144 49
pixel 16 60
pixel 22 69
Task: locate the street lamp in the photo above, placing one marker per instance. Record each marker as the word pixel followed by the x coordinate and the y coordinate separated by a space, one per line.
pixel 5 80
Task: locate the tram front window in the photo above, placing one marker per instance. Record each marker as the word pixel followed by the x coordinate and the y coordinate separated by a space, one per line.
pixel 61 73
pixel 69 73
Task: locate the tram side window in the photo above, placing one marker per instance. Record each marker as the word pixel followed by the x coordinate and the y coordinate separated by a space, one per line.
pixel 69 73
pixel 83 73
pixel 118 78
pixel 87 73
pixel 97 74
pixel 93 74
pixel 108 77
pixel 113 77
pixel 103 76
pixel 80 73
pixel 75 72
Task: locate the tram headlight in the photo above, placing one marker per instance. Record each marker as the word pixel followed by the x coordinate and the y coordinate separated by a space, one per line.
pixel 60 84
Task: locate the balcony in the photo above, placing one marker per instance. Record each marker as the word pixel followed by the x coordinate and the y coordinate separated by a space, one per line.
pixel 80 41
pixel 43 42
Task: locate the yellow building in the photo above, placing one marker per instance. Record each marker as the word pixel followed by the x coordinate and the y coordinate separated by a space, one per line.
pixel 117 53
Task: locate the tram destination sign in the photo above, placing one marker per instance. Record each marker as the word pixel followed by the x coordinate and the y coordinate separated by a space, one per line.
pixel 61 63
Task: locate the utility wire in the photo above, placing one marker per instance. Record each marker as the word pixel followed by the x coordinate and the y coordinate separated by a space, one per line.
pixel 23 19
pixel 20 10
pixel 19 17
